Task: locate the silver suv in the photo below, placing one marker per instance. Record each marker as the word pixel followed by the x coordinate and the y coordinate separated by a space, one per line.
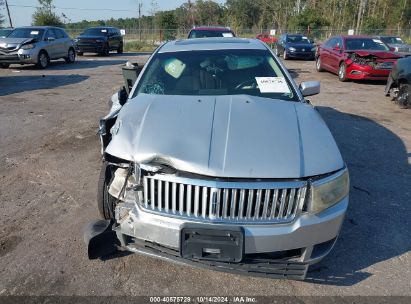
pixel 36 45
pixel 216 159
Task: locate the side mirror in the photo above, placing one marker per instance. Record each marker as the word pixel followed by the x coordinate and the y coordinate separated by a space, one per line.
pixel 122 96
pixel 50 39
pixel 337 48
pixel 309 88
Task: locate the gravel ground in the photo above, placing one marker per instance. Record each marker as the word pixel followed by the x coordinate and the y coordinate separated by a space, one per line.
pixel 49 165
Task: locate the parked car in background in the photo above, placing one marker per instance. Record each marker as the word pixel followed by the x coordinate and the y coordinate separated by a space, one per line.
pixel 267 38
pixel 217 160
pixel 101 40
pixel 4 32
pixel 295 46
pixel 356 57
pixel 399 82
pixel 36 45
pixel 210 31
pixel 396 43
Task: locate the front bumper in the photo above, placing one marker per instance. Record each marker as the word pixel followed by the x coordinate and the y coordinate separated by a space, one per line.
pixel 289 246
pixel 90 48
pixel 20 57
pixel 361 72
pixel 301 55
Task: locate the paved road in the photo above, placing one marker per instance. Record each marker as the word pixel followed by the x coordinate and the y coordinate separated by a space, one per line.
pixel 49 164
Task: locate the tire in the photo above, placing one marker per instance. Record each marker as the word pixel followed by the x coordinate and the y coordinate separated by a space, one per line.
pixel 80 53
pixel 105 202
pixel 120 49
pixel 43 60
pixel 342 72
pixel 106 50
pixel 4 65
pixel 404 96
pixel 285 56
pixel 71 56
pixel 318 65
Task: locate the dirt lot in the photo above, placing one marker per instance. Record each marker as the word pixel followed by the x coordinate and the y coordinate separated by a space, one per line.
pixel 50 160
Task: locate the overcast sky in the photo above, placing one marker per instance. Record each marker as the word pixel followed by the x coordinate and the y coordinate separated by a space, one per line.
pixel 22 15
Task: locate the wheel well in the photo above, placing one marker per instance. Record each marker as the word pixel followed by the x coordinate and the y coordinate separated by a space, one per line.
pixel 44 51
pixel 402 81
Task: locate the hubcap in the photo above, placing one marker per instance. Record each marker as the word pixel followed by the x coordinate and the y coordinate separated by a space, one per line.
pixel 403 97
pixel 71 55
pixel 43 60
pixel 341 73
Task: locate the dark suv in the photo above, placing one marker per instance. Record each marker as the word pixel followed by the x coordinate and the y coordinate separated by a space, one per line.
pixel 210 31
pixel 100 40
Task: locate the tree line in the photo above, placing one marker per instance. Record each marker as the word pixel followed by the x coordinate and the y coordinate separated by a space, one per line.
pixel 256 14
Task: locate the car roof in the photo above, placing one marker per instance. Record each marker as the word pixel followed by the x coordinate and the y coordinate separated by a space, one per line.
pixel 203 44
pixel 103 27
pixel 355 36
pixel 211 28
pixel 40 27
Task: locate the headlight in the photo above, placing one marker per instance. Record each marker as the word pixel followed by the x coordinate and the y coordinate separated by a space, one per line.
pixel 99 40
pixel 75 40
pixel 313 49
pixel 329 191
pixel 292 49
pixel 28 46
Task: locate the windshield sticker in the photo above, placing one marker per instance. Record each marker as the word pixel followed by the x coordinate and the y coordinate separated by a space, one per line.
pixel 227 35
pixel 377 41
pixel 174 67
pixel 305 37
pixel 104 31
pixel 272 85
pixel 399 39
pixel 34 32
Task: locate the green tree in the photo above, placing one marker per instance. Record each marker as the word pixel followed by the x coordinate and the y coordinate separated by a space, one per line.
pixel 208 12
pixel 44 15
pixel 167 21
pixel 1 16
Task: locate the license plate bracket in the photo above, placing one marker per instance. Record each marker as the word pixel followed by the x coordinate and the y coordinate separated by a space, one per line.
pixel 222 243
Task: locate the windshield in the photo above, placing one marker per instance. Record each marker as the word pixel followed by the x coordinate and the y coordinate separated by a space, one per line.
pixel 5 32
pixel 205 34
pixel 365 44
pixel 392 40
pixel 298 39
pixel 27 33
pixel 95 32
pixel 218 72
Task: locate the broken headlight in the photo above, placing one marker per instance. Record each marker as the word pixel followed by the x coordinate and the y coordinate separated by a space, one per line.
pixel 329 191
pixel 28 46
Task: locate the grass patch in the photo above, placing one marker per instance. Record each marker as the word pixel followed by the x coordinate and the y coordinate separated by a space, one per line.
pixel 138 46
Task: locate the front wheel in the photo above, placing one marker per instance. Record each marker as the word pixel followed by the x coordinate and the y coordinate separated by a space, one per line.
pixel 276 52
pixel 285 55
pixel 71 56
pixel 106 50
pixel 120 49
pixel 4 65
pixel 342 72
pixel 43 60
pixel 105 201
pixel 403 98
pixel 318 65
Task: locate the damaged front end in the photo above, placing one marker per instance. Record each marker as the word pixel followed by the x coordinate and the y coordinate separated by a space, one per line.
pixel 370 60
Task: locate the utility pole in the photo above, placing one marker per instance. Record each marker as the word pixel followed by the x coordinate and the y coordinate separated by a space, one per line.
pixel 140 5
pixel 8 13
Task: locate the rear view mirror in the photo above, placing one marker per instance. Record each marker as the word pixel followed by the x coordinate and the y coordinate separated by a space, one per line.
pixel 309 88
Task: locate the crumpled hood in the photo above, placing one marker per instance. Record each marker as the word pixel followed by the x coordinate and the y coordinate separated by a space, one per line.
pixel 226 136
pixel 13 41
pixel 378 54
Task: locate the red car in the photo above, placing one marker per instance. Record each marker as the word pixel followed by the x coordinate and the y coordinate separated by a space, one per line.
pixel 356 57
pixel 267 38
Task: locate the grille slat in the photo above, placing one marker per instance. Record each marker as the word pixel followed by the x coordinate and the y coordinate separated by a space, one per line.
pixel 224 201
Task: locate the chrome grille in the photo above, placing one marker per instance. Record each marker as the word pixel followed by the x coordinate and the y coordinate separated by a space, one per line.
pixel 224 201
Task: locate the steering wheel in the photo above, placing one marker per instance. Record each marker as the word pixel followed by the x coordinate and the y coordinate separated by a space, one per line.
pixel 249 82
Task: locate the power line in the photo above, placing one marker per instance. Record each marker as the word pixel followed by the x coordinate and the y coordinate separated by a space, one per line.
pixel 75 8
